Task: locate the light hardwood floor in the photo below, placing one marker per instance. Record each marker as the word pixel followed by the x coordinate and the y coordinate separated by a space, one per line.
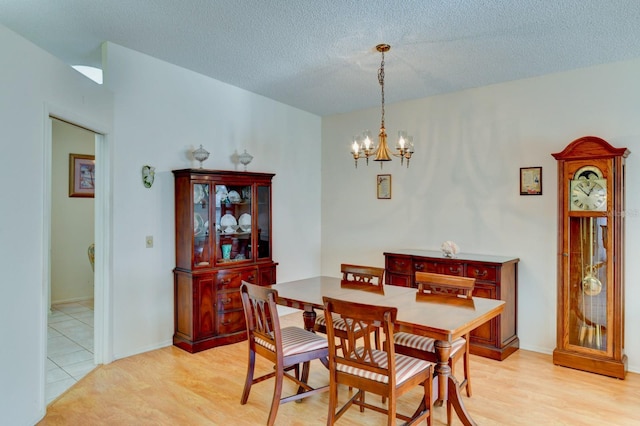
pixel 172 387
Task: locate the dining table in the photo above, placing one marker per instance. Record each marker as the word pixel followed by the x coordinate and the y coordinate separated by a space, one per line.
pixel 443 318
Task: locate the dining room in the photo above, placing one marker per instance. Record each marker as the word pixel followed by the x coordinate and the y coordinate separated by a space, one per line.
pixel 463 182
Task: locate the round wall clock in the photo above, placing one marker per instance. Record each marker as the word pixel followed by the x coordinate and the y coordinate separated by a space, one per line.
pixel 590 330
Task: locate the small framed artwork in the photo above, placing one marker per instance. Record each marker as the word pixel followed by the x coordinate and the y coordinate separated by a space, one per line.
pixel 81 175
pixel 384 187
pixel 531 181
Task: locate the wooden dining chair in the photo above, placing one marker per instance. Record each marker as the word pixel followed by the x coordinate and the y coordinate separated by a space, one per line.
pixel 378 371
pixel 424 347
pixel 354 276
pixel 286 348
pixel 362 274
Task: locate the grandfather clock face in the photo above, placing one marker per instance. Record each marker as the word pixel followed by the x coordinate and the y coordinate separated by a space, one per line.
pixel 587 244
pixel 588 190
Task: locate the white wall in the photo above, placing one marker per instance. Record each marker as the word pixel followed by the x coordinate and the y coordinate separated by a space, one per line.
pixel 32 84
pixel 162 113
pixel 463 182
pixel 72 218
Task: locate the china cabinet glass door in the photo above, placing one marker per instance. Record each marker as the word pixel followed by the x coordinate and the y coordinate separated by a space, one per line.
pixel 233 223
pixel 201 233
pixel 264 219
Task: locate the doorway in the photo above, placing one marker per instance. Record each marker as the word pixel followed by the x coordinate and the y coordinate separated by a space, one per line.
pixel 70 331
pixel 100 230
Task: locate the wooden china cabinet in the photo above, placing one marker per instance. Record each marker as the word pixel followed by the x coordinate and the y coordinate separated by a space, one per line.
pixel 496 278
pixel 223 236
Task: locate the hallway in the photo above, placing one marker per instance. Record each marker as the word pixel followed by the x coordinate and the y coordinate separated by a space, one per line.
pixel 69 346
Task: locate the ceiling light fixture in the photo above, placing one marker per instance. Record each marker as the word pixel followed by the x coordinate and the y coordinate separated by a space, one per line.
pixel 363 146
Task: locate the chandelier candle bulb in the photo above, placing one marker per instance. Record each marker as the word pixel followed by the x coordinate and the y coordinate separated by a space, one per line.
pixel 401 139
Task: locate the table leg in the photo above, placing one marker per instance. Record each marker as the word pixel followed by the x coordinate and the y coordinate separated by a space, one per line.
pixel 309 317
pixel 448 389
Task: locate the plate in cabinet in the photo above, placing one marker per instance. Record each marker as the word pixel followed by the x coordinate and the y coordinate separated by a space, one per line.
pixel 228 223
pixel 234 197
pixel 245 222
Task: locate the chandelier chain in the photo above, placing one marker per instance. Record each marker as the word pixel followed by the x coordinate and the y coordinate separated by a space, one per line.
pixel 381 81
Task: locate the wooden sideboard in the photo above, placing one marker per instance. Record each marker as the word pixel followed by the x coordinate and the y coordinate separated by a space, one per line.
pixel 496 278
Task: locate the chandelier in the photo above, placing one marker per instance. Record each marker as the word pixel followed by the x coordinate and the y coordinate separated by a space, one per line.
pixel 363 146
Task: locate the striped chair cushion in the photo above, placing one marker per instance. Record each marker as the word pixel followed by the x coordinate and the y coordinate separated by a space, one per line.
pixel 406 367
pixel 296 340
pixel 424 343
pixel 338 323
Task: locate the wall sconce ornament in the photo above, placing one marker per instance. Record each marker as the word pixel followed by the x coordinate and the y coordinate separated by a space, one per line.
pixel 200 154
pixel 245 158
pixel 148 175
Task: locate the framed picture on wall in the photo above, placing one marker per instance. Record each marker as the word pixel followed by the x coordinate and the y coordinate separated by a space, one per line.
pixel 81 175
pixel 384 187
pixel 531 181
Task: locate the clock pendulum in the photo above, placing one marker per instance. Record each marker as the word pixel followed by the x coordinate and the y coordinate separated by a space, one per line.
pixel 591 286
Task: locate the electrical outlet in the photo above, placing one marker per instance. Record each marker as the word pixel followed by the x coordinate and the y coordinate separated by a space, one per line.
pixel 149 241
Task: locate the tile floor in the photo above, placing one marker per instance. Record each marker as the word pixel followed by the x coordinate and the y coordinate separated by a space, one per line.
pixel 69 346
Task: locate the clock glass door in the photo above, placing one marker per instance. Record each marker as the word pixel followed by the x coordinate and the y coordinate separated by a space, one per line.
pixel 588 311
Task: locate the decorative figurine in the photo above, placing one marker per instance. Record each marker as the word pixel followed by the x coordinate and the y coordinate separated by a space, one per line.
pixel 201 155
pixel 449 249
pixel 245 158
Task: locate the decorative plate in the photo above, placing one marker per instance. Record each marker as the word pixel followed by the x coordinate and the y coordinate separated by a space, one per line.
pixel 234 197
pixel 227 221
pixel 245 222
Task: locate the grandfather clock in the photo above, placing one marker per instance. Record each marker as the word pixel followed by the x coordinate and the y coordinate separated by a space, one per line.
pixel 591 179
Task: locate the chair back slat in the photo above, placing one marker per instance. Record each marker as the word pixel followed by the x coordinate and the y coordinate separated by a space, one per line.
pixel 445 284
pixel 359 317
pixel 362 274
pixel 260 311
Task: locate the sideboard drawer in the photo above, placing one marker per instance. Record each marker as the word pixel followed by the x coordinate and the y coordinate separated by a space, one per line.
pixel 424 266
pixel 446 268
pixel 481 272
pixel 451 268
pixel 399 264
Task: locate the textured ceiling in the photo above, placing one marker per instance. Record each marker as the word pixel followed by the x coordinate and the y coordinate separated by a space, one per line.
pixel 319 55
